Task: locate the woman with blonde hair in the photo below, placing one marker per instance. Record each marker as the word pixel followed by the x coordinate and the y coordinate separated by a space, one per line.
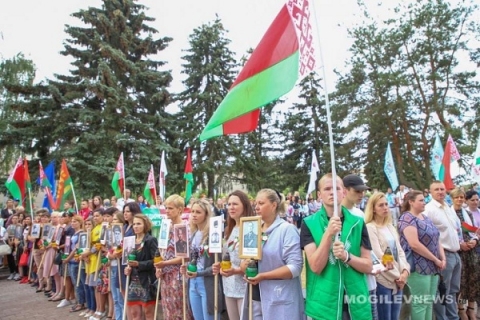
pixel 168 270
pixel 202 282
pixel 383 235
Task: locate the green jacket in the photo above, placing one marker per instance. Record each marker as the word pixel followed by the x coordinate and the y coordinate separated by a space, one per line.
pixel 326 291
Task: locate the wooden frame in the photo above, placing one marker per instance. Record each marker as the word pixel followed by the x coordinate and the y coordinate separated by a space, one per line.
pixel 181 240
pixel 128 246
pixel 58 235
pixel 68 241
pixel 250 238
pixel 117 234
pixel 109 238
pixel 103 231
pixel 51 234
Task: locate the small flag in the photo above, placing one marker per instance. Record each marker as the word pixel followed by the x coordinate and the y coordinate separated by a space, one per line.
pixel 476 163
pixel 436 156
pixel 16 181
pixel 118 181
pixel 150 192
pixel 188 176
pixel 450 155
pixel 389 168
pixel 313 173
pixel 50 174
pixel 64 188
pixel 162 176
pixel 468 228
pixel 46 186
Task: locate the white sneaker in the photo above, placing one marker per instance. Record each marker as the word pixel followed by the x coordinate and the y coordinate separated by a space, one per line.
pixel 11 276
pixel 63 303
pixel 17 277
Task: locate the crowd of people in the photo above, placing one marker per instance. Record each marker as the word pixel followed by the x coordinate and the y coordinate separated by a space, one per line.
pixel 369 255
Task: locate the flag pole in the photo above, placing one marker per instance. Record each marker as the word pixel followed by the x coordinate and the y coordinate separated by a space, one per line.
pixel 124 180
pixel 329 120
pixel 74 197
pixel 30 200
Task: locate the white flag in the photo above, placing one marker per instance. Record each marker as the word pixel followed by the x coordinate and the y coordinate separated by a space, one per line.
pixel 476 163
pixel 313 173
pixel 161 178
pixel 389 169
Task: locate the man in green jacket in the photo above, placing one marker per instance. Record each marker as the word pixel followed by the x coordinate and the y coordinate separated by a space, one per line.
pixel 336 283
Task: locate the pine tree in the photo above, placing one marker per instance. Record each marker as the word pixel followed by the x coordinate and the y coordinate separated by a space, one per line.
pixel 209 68
pixel 112 101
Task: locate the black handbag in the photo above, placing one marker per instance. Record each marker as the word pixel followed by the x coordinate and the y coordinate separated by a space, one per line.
pixel 442 290
pixel 58 258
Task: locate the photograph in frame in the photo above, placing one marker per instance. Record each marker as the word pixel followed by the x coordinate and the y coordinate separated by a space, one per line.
pixel 215 235
pixel 36 228
pixel 68 242
pixel 117 234
pixel 164 234
pixel 180 238
pixel 103 232
pixel 58 235
pixel 250 245
pixel 51 234
pixel 108 238
pixel 11 231
pixel 18 232
pixel 46 231
pixel 83 240
pixel 128 246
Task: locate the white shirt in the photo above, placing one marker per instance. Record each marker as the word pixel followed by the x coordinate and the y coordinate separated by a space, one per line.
pixel 447 223
pixel 401 195
pixel 121 203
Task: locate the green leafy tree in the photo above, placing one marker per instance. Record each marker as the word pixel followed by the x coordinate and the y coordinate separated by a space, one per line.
pixel 405 83
pixel 209 68
pixel 112 101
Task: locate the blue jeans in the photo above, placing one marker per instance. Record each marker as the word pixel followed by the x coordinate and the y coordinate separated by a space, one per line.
pixel 198 299
pixel 116 294
pixel 451 276
pixel 79 291
pixel 89 292
pixel 388 303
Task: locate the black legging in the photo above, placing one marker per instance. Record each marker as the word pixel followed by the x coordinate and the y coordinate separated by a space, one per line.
pixel 11 264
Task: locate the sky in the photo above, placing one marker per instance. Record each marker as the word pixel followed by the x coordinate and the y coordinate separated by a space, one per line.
pixel 36 28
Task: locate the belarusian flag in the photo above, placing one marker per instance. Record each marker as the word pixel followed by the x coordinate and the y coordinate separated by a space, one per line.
pixel 476 163
pixel 450 155
pixel 64 188
pixel 16 181
pixel 286 53
pixel 188 176
pixel 28 187
pixel 150 192
pixel 118 181
pixel 47 187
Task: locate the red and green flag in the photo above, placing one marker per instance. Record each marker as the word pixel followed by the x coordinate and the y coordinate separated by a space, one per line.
pixel 188 176
pixel 46 186
pixel 450 155
pixel 287 52
pixel 16 181
pixel 28 187
pixel 468 227
pixel 118 181
pixel 150 191
pixel 64 187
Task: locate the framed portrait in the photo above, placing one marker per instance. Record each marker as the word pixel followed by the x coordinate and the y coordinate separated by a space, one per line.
pixel 84 240
pixel 117 233
pixel 58 235
pixel 36 228
pixel 164 234
pixel 51 234
pixel 46 231
pixel 180 238
pixel 68 243
pixel 103 232
pixel 250 244
pixel 108 238
pixel 18 232
pixel 11 230
pixel 215 235
pixel 128 246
